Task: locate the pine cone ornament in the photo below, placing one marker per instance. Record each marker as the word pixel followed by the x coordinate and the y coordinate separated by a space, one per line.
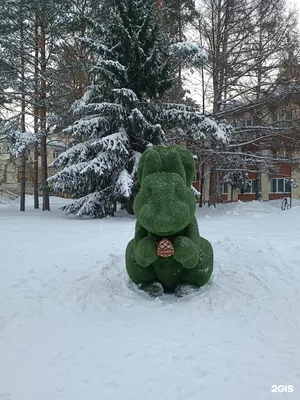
pixel 165 248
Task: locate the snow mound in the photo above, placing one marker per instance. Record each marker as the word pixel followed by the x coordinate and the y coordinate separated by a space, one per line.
pixel 5 202
pixel 253 208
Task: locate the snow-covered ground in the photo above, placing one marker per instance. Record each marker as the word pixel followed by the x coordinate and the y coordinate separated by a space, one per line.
pixel 72 327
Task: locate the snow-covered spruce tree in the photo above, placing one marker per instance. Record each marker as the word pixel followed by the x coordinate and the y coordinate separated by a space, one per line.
pixel 235 172
pixel 120 115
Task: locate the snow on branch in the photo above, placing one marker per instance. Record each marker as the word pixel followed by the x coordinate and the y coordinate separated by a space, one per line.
pixel 88 126
pixel 189 54
pixel 127 94
pixel 124 184
pixel 106 109
pixel 97 204
pixel 78 105
pixel 195 192
pixel 107 75
pixel 63 181
pixel 69 180
pixel 219 131
pixel 197 125
pixel 142 128
pixel 102 164
pixel 18 141
pixel 115 142
pixel 98 46
pixel 78 153
pixel 111 64
pixel 134 160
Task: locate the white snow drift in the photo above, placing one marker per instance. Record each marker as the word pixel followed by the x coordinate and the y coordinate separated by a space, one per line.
pixel 72 326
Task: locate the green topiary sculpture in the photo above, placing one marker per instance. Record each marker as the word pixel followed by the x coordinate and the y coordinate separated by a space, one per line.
pixel 167 252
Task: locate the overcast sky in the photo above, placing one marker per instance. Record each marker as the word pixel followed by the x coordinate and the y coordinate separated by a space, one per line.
pixel 297 3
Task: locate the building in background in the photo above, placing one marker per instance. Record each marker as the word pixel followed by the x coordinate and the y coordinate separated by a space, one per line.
pixel 10 171
pixel 275 181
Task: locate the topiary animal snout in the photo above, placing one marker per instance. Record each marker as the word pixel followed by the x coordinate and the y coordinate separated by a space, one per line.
pixel 164 205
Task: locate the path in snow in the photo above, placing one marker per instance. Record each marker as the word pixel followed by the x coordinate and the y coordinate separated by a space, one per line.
pixel 72 327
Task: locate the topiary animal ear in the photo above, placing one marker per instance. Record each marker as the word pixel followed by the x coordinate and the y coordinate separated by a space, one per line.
pixel 174 164
pixel 150 163
pixel 188 164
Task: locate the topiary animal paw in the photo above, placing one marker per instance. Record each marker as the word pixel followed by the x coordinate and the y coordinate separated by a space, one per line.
pixel 154 289
pixel 186 252
pixel 183 290
pixel 146 252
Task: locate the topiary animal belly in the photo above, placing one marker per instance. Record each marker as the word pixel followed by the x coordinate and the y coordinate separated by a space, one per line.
pixel 168 271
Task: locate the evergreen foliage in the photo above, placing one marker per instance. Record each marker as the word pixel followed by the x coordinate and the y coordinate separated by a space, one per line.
pixel 18 142
pixel 121 115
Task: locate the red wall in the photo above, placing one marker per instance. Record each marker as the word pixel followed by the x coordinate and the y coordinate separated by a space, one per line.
pixel 275 196
pixel 196 185
pixel 285 170
pixel 224 197
pixel 251 175
pixel 247 196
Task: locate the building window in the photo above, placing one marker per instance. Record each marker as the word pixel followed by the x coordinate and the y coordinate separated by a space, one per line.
pixel 247 122
pixel 225 188
pixel 252 185
pixel 284 119
pixel 280 185
pixel 3 148
pixel 3 170
pixel 197 176
pixel 56 153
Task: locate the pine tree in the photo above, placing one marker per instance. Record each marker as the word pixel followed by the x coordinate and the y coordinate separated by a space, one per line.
pixel 69 74
pixel 177 18
pixel 121 115
pixel 28 30
pixel 13 35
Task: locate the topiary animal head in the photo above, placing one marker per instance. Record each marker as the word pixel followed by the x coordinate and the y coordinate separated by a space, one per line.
pixel 165 204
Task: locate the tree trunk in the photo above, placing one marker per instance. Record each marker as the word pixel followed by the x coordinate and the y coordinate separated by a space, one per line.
pixel 82 56
pixel 43 114
pixel 23 181
pixel 213 186
pixel 258 193
pixel 44 174
pixel 129 205
pixel 201 185
pixel 36 177
pixel 23 125
pixel 217 95
pixel 36 118
pixel 180 40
